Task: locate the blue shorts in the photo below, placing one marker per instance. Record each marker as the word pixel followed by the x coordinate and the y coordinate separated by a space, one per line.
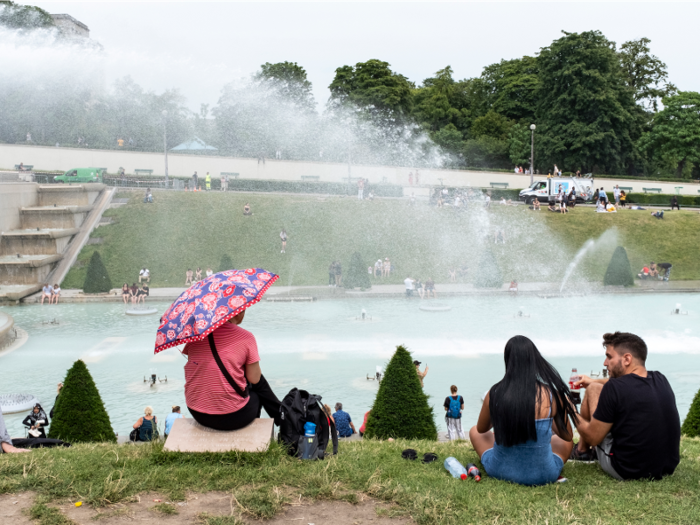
pixel 521 469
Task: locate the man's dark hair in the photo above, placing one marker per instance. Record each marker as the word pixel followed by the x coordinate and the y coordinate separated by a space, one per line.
pixel 633 344
pixel 176 409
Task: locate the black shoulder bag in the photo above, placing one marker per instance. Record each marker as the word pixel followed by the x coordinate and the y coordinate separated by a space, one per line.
pixel 234 385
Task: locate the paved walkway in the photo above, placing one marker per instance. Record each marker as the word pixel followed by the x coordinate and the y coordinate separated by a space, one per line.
pixel 308 293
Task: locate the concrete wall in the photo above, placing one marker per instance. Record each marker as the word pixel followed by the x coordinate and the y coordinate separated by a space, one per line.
pixel 63 159
pixel 13 196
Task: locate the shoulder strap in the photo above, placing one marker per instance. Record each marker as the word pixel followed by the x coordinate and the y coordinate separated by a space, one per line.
pixel 242 393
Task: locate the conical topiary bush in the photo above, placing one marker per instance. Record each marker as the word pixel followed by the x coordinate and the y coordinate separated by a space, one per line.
pixel 96 279
pixel 356 275
pixel 226 263
pixel 401 407
pixel 79 414
pixel 488 274
pixel 691 425
pixel 619 272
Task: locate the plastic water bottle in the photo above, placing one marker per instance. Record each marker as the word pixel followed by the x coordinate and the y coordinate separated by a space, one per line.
pixel 455 468
pixel 309 429
pixel 473 472
pixel 574 378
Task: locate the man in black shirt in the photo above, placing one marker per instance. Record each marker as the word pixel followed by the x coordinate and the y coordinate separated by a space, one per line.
pixel 631 418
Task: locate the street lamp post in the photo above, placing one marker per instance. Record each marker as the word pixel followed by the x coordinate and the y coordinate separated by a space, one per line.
pixel 532 153
pixel 165 144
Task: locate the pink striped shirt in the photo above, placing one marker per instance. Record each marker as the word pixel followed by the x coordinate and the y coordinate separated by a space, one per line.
pixel 206 388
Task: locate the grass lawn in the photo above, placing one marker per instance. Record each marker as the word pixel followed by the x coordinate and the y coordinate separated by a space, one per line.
pixel 100 475
pixel 186 230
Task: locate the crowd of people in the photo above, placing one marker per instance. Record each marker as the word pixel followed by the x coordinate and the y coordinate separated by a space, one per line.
pixel 652 272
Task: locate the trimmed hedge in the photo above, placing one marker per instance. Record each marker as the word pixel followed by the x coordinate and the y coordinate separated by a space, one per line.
pixel 662 199
pixel 79 414
pixel 691 425
pixel 401 407
pixel 357 275
pixel 619 272
pixel 96 279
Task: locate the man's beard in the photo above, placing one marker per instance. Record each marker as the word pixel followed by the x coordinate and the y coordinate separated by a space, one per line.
pixel 617 371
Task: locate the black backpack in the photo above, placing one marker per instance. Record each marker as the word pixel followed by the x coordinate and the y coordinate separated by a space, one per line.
pixel 299 407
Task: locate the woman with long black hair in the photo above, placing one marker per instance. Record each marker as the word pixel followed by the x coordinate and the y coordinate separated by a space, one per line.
pixel 529 412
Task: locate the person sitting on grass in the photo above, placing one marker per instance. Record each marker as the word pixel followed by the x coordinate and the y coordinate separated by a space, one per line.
pixel 170 419
pixel 528 411
pixel 188 277
pixel 246 209
pixel 363 427
pixel 552 207
pixel 198 274
pixel 36 421
pixel 147 425
pixel 631 417
pixel 343 422
pixel 658 214
pixel 653 270
pixel 6 446
pixel 645 273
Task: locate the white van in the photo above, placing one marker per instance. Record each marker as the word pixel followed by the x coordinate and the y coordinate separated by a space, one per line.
pixel 547 190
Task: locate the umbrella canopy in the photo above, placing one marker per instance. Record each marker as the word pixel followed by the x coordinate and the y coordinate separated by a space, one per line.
pixel 209 303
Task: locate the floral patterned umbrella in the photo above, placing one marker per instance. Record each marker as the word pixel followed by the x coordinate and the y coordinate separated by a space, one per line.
pixel 209 303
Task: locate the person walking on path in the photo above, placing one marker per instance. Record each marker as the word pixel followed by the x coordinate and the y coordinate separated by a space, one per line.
pixel 338 274
pixel 283 237
pixel 454 405
pixel 421 375
pixel 207 181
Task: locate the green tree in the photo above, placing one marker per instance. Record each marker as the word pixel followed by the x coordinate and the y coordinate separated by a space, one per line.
pixel 511 88
pixel 491 125
pixel 356 275
pixel 675 131
pixel 226 263
pixel 401 407
pixel 79 413
pixel 289 80
pixel 449 138
pixel 16 16
pixel 691 425
pixel 374 89
pixel 585 112
pixel 619 272
pixel 644 73
pixel 489 274
pixel 96 279
pixel 519 144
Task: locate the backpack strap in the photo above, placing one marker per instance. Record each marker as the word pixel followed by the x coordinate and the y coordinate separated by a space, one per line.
pixel 242 393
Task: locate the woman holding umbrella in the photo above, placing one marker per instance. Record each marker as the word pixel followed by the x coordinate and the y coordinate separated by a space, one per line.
pixel 224 385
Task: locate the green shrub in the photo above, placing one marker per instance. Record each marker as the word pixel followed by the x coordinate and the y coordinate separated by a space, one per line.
pixel 488 273
pixel 619 272
pixel 96 279
pixel 79 413
pixel 401 407
pixel 661 199
pixel 356 276
pixel 691 425
pixel 226 263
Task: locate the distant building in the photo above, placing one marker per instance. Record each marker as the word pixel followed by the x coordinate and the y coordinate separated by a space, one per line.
pixel 70 27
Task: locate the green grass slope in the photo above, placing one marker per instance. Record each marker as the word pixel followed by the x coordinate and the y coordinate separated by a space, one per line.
pixel 182 230
pixel 262 484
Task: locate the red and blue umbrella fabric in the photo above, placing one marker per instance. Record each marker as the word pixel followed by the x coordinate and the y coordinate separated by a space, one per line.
pixel 209 303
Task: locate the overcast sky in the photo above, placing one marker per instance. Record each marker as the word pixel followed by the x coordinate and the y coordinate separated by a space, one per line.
pixel 198 47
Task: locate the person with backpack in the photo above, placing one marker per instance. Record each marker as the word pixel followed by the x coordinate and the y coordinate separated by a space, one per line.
pixel 454 405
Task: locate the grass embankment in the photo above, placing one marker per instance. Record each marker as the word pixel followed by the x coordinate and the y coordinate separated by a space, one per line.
pixel 261 484
pixel 182 230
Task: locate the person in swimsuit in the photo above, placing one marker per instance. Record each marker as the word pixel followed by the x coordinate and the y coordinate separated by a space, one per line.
pixel 525 450
pixel 188 277
pixel 125 293
pixel 198 275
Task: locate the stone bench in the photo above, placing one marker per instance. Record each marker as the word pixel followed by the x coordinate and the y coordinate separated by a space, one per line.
pixel 678 189
pixel 143 172
pixel 628 189
pixel 230 175
pixel 652 190
pixel 310 177
pixel 26 167
pixel 503 185
pixel 186 435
